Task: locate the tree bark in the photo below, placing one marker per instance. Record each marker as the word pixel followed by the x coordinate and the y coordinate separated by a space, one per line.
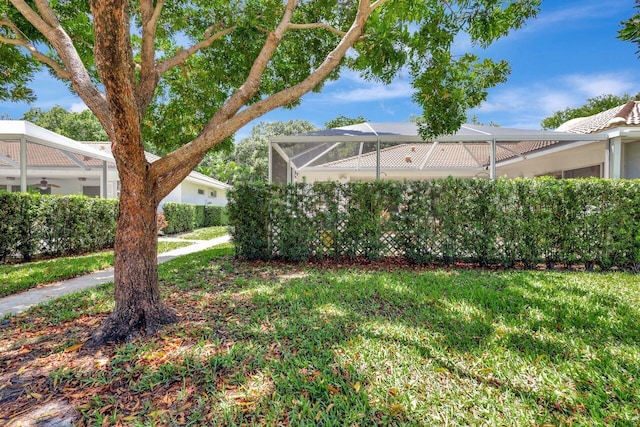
pixel 138 308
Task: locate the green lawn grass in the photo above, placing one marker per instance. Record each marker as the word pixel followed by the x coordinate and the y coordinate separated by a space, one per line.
pixel 169 246
pixel 273 344
pixel 206 233
pixel 19 277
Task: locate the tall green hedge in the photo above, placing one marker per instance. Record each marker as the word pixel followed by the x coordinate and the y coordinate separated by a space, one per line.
pixel 215 216
pixel 54 225
pixel 182 217
pixel 501 222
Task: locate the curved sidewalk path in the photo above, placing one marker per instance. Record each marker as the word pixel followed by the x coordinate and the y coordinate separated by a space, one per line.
pixel 14 304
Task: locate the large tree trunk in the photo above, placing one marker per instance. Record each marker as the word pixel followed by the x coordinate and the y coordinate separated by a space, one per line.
pixel 138 309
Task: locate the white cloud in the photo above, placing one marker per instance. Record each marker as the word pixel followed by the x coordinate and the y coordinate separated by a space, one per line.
pixel 78 107
pixel 526 106
pixel 374 92
pixel 599 84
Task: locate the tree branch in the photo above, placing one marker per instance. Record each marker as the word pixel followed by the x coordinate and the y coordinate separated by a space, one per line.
pixel 48 15
pixel 62 43
pixel 315 25
pixel 171 169
pixel 21 41
pixel 148 75
pixel 184 54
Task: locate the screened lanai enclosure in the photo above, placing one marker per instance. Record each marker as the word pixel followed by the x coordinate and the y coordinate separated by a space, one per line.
pixel 35 159
pixel 395 151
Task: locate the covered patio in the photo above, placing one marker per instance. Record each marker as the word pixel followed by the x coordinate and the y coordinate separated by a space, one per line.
pixel 396 151
pixel 35 159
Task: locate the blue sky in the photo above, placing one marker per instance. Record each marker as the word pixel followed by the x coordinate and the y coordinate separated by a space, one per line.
pixel 567 54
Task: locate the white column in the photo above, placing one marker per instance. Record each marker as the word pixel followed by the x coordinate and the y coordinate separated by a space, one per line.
pixel 607 149
pixel 103 181
pixel 23 164
pixel 615 158
pixel 270 179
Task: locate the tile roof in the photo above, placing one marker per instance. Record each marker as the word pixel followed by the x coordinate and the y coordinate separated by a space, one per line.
pixel 622 115
pixel 444 156
pixel 43 156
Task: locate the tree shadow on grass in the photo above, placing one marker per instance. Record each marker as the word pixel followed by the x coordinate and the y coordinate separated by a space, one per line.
pixel 525 314
pixel 317 347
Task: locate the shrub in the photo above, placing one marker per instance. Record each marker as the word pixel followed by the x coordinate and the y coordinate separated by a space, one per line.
pixel 198 216
pixel 504 222
pixel 249 209
pixel 215 216
pixel 54 225
pixel 17 230
pixel 180 217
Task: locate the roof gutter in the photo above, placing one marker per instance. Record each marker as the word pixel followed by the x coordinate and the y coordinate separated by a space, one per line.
pixel 558 136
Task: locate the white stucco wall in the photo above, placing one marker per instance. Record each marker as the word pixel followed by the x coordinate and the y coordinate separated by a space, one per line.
pixel 190 194
pixel 631 163
pixel 586 155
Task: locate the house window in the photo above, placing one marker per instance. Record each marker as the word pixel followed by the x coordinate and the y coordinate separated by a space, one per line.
pixel 3 187
pixel 91 190
pixel 586 172
pixel 200 191
pixel 15 188
pixel 213 193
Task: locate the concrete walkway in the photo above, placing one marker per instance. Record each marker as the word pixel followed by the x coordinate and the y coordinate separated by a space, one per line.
pixel 14 304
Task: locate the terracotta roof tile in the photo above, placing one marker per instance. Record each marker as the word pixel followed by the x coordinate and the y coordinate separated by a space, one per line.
pixel 622 115
pixel 444 155
pixel 42 156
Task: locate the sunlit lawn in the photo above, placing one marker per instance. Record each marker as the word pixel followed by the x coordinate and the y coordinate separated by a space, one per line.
pixel 19 277
pixel 272 344
pixel 205 233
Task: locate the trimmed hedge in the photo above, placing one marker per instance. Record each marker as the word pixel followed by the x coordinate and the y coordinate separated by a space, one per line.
pixel 500 222
pixel 183 217
pixel 54 225
pixel 180 217
pixel 215 216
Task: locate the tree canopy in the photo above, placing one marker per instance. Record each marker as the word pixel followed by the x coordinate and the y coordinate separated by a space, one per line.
pixel 630 30
pixel 81 126
pixel 342 120
pixel 188 74
pixel 249 159
pixel 593 106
